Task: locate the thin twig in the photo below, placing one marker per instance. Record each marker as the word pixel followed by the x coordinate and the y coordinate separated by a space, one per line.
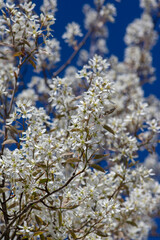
pixel 73 54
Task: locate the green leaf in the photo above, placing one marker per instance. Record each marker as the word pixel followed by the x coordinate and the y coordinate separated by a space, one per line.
pixel 44 180
pixel 17 54
pixel 33 58
pixel 4 189
pixel 71 207
pixel 24 41
pixel 126 188
pixel 60 218
pixel 72 160
pixel 72 234
pixel 32 63
pixel 75 130
pixel 99 233
pixel 117 175
pixel 38 220
pixel 132 223
pixel 59 116
pixel 36 172
pixel 9 141
pixel 36 207
pixel 13 205
pixel 38 233
pixel 4 58
pixel 110 111
pixel 67 154
pixel 97 167
pixel 42 237
pixel 52 130
pixel 41 165
pixel 133 164
pixel 109 129
pixel 99 156
pixel 12 129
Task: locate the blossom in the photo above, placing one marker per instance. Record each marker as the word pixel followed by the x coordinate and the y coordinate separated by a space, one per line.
pixel 153 125
pixel 149 5
pixel 71 142
pixel 138 31
pixel 72 31
pixel 25 229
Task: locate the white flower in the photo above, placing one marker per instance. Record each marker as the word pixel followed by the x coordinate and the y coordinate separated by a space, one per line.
pixel 25 229
pixel 153 126
pixel 140 31
pixel 72 31
pixel 51 181
pixel 149 5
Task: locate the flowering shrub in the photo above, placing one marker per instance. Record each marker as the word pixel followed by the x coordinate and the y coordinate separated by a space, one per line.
pixel 57 130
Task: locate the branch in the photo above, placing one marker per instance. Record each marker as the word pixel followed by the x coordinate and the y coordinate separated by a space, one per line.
pixel 73 54
pixel 13 94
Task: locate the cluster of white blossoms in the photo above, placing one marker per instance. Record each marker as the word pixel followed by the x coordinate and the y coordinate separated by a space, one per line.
pixel 72 30
pixel 70 165
pixel 150 5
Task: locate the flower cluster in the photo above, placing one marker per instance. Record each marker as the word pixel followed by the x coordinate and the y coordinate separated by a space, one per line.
pixel 70 160
pixel 72 30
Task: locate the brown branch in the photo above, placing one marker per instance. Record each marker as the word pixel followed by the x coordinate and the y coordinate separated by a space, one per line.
pixel 45 78
pixel 6 44
pixel 29 55
pixel 13 95
pixel 91 229
pixel 73 54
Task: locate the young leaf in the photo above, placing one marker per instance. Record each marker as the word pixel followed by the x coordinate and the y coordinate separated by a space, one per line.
pixel 60 218
pixel 26 42
pixel 99 156
pixel 38 220
pixel 42 237
pixel 4 189
pixel 132 223
pixel 97 167
pixel 110 111
pixel 38 233
pixel 73 160
pixel 67 154
pixel 32 63
pixel 99 233
pixel 72 234
pixel 118 175
pixel 12 129
pixel 72 207
pixel 37 207
pixel 109 129
pixel 75 130
pixel 44 180
pixel 13 205
pixel 17 54
pixel 9 141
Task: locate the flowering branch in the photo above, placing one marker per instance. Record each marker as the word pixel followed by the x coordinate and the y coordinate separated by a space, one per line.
pixel 30 205
pixel 77 173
